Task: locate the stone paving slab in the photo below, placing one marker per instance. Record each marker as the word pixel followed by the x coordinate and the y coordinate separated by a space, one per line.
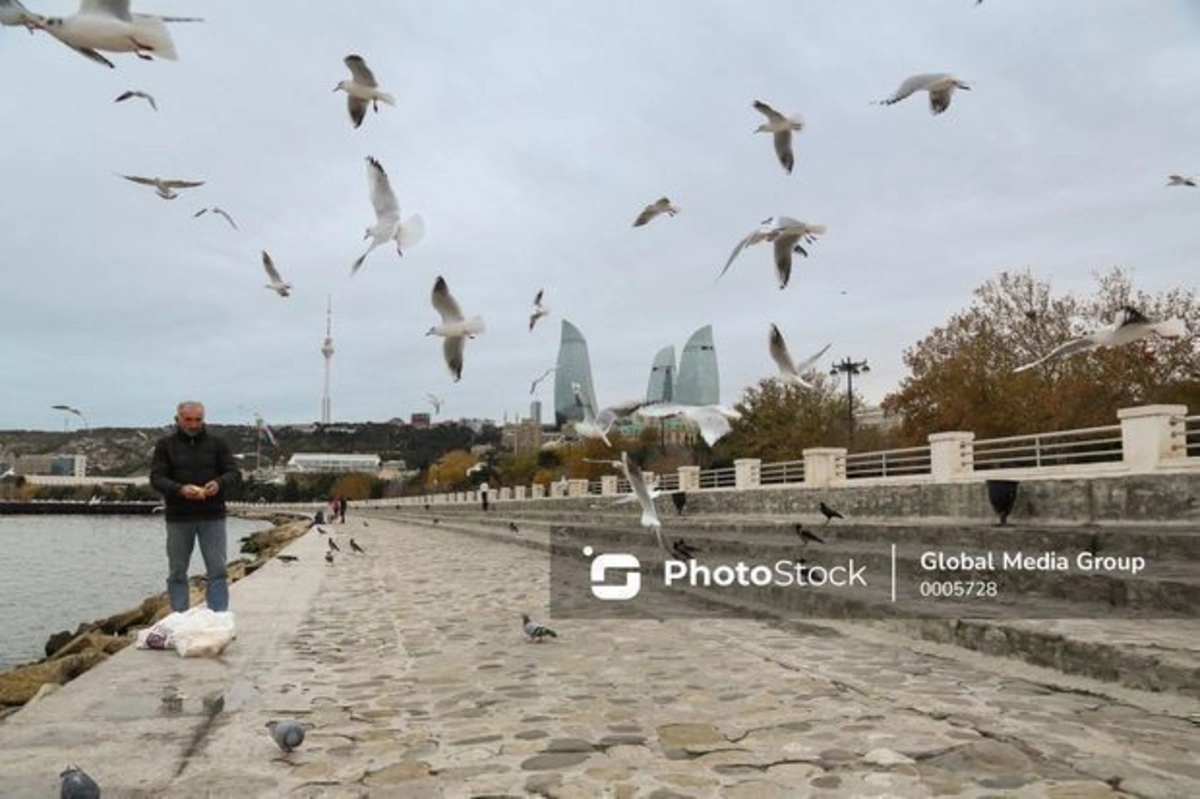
pixel 410 666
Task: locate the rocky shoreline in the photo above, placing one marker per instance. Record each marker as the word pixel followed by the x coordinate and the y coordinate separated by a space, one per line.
pixel 69 654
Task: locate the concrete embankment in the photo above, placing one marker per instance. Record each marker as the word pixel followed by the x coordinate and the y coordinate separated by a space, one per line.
pixel 409 664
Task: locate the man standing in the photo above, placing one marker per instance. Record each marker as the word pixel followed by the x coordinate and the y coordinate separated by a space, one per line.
pixel 483 492
pixel 194 471
pixel 342 508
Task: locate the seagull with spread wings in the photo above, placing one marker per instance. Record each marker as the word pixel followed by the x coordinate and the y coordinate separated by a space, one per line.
pixel 387 217
pixel 436 402
pixel 276 285
pixel 1129 325
pixel 1180 180
pixel 660 206
pixel 787 234
pixel 781 127
pixel 940 86
pixel 712 420
pixel 539 310
pixel 129 95
pixel 455 329
pixel 789 370
pixel 164 188
pixel 109 26
pixel 638 486
pixel 218 212
pixel 533 386
pixel 361 90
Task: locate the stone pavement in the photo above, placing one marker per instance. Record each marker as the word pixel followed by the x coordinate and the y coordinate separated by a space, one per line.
pixel 410 665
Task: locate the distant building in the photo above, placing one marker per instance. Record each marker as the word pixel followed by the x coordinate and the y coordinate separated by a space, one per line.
pixel 662 376
pixel 420 421
pixel 873 416
pixel 573 366
pixel 327 462
pixel 59 465
pixel 698 382
pixel 535 412
pixel 525 436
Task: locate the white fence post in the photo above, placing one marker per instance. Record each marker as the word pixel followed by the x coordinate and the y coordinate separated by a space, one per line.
pixel 1148 435
pixel 746 473
pixel 824 466
pixel 951 455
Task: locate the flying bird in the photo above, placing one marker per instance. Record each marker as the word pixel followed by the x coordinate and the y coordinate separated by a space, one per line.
pixel 660 206
pixel 597 425
pixel 75 783
pixel 108 25
pixel 787 237
pixel 713 420
pixel 361 89
pixel 355 547
pixel 218 211
pixel 134 93
pixel 533 386
pixel 454 328
pixel 276 285
pixel 165 188
pixel 638 486
pixel 1180 180
pixel 14 14
pixel 536 632
pixel 387 217
pixel 539 311
pixel 782 127
pixel 940 86
pixel 288 734
pixel 789 371
pixel 829 513
pixel 1129 325
pixel 436 402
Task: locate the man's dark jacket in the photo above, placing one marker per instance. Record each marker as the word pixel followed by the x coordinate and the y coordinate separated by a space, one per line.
pixel 180 459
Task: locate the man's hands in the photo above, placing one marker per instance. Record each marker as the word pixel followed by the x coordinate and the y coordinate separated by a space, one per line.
pixel 200 493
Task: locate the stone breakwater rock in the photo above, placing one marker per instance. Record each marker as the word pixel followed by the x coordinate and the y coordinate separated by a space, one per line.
pixel 20 685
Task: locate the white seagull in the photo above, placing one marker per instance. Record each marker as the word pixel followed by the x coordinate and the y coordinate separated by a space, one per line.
pixel 454 328
pixel 1129 325
pixel 108 25
pixel 781 126
pixel 660 206
pixel 940 86
pixel 636 484
pixel 276 285
pixel 533 386
pixel 789 370
pixel 134 93
pixel 597 425
pixel 165 188
pixel 713 420
pixel 436 402
pixel 1180 180
pixel 361 90
pixel 14 14
pixel 539 310
pixel 786 234
pixel 387 217
pixel 219 212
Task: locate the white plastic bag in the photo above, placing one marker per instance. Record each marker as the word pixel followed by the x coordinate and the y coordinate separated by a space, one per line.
pixel 204 633
pixel 162 634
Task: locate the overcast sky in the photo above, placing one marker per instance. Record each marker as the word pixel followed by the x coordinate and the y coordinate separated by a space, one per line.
pixel 528 135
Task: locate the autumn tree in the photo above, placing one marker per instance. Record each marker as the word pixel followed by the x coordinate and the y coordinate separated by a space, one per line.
pixel 449 472
pixel 779 421
pixel 961 374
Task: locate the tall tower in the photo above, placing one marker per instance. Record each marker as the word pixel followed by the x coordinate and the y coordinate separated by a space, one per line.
pixel 327 351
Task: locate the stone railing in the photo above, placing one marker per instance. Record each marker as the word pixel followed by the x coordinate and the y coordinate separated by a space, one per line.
pixel 1148 439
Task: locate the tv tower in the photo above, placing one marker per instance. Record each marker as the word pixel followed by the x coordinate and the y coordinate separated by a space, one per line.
pixel 327 351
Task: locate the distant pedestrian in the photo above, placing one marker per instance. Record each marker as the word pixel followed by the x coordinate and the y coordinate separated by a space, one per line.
pixel 342 503
pixel 334 507
pixel 483 493
pixel 194 470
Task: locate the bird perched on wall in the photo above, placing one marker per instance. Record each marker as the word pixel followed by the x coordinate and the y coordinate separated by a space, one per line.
pixel 829 513
pixel 806 537
pixel 535 631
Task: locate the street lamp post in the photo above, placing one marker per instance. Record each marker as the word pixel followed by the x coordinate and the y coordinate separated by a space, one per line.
pixel 850 368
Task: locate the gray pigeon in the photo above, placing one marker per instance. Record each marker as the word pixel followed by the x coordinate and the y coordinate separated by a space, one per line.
pixel 535 631
pixel 76 784
pixel 287 733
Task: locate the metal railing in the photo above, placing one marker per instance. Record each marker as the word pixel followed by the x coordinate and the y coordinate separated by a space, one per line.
pixel 718 478
pixel 780 473
pixel 1064 448
pixel 1190 433
pixel 889 463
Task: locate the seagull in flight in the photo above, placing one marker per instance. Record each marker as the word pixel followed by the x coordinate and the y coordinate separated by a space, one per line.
pixel 1129 325
pixel 108 25
pixel 276 285
pixel 387 216
pixel 165 188
pixel 1180 180
pixel 660 206
pixel 137 93
pixel 362 89
pixel 436 402
pixel 940 86
pixel 789 370
pixel 454 328
pixel 533 386
pixel 781 127
pixel 638 486
pixel 713 420
pixel 13 13
pixel 219 212
pixel 787 234
pixel 539 310
pixel 597 425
